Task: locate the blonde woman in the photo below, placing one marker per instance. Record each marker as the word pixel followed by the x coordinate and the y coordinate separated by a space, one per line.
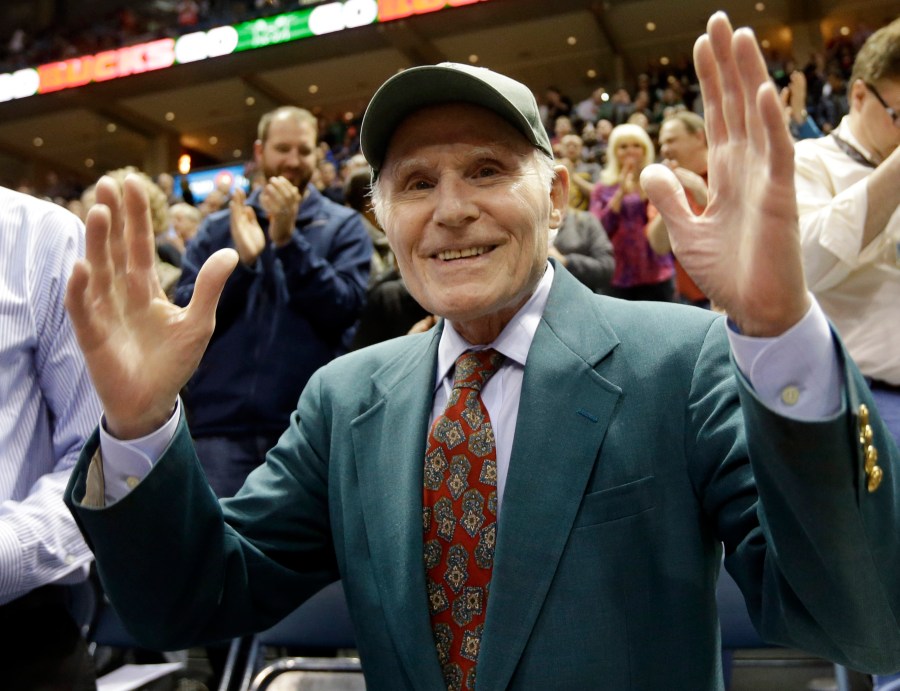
pixel 622 207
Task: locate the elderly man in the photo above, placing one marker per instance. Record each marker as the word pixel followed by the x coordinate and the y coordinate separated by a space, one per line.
pixel 848 192
pixel 560 523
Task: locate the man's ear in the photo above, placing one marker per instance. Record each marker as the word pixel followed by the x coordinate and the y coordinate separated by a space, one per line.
pixel 559 195
pixel 857 94
pixel 258 151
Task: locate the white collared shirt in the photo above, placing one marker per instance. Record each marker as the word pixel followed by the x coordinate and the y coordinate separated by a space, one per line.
pixel 48 407
pixel 858 287
pixel 502 392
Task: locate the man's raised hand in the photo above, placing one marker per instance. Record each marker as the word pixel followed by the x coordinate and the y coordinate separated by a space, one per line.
pixel 140 349
pixel 744 249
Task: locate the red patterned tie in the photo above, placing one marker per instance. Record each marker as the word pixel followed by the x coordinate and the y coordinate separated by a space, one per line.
pixel 460 519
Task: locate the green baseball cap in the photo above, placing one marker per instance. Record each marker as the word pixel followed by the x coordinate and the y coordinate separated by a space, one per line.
pixel 447 82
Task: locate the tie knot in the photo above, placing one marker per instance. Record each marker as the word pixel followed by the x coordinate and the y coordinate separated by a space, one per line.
pixel 475 367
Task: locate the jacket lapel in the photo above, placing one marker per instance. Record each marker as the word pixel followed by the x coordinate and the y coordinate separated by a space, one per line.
pixel 389 443
pixel 563 415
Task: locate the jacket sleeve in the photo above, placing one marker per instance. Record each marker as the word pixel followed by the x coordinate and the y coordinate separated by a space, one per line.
pixel 182 569
pixel 820 572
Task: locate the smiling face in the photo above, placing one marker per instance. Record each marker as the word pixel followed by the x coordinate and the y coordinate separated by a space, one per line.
pixel 466 205
pixel 683 148
pixel 289 150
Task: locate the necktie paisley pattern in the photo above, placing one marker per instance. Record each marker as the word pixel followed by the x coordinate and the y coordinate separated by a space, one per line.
pixel 460 519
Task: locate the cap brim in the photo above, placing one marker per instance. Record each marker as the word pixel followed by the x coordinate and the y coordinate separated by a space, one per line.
pixel 418 87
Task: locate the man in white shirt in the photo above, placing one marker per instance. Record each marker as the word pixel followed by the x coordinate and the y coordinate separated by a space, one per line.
pixel 47 411
pixel 848 192
pixel 617 438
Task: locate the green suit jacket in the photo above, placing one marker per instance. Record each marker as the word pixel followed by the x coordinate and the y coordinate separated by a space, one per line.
pixel 630 468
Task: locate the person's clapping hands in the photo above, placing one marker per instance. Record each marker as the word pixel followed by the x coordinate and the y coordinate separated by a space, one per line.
pixel 280 199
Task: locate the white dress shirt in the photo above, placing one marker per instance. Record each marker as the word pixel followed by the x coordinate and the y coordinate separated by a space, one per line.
pixel 796 374
pixel 48 407
pixel 858 288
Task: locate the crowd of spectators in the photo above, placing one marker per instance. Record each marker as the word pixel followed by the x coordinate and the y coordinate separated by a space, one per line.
pixel 580 125
pixel 71 33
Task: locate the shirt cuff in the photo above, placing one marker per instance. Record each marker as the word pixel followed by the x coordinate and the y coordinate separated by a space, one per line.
pixel 796 374
pixel 126 463
pixel 11 575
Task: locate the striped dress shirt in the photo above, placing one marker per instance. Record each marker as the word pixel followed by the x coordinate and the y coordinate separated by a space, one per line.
pixel 48 406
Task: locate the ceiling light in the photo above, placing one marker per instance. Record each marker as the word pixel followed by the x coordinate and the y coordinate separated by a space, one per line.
pixel 348 116
pixel 249 100
pixel 37 141
pixel 664 60
pixel 650 26
pixel 473 58
pixel 845 31
pixel 760 7
pixel 170 116
pixel 313 89
pixel 765 43
pixel 571 40
pixel 214 140
pixel 237 153
pixel 89 163
pixel 111 127
pixel 592 74
pixel 604 97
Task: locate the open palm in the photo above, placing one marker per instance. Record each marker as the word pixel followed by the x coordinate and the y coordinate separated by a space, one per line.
pixel 744 249
pixel 140 349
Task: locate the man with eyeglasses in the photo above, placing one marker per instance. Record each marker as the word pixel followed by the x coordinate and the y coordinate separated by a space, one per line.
pixel 848 190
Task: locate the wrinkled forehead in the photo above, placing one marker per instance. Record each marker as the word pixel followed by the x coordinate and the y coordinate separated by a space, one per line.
pixel 454 127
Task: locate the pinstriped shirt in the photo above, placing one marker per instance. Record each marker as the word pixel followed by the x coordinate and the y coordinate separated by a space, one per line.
pixel 48 407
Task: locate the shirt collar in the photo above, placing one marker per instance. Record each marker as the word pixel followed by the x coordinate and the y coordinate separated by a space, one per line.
pixel 845 133
pixel 514 341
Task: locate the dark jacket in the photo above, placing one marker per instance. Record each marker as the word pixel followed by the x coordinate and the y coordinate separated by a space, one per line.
pixel 639 451
pixel 278 321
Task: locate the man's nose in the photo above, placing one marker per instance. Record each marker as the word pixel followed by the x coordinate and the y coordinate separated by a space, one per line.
pixel 292 158
pixel 455 203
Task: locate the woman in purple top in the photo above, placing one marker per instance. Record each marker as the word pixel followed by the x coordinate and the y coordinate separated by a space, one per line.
pixel 622 207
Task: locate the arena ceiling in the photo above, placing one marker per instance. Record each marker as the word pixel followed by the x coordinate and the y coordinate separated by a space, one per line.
pixel 211 107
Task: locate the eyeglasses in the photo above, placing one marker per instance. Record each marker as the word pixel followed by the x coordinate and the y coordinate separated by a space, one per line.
pixel 892 114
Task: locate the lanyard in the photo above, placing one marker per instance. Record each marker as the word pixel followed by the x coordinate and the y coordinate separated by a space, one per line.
pixel 852 151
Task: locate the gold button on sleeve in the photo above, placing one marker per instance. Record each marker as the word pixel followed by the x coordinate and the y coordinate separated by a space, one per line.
pixel 863 415
pixel 871 458
pixel 875 478
pixel 866 435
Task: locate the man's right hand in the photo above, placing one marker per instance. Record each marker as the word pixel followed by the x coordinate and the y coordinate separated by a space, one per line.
pixel 140 349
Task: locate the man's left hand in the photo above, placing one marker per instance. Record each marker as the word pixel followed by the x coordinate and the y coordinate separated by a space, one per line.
pixel 744 249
